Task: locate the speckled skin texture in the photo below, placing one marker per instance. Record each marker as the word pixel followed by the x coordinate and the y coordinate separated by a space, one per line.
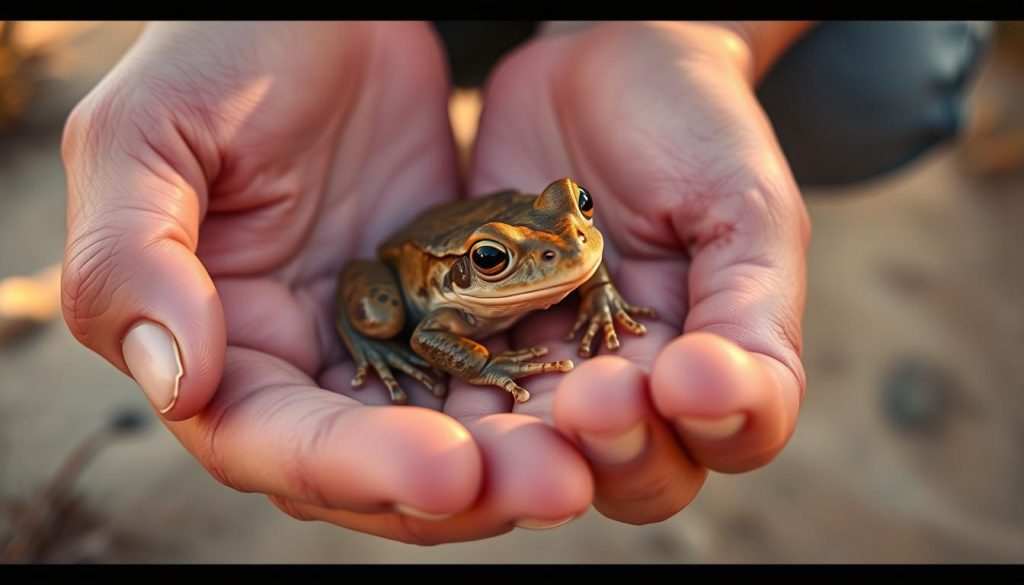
pixel 470 269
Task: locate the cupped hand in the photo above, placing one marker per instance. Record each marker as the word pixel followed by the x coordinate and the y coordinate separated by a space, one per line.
pixel 702 221
pixel 218 180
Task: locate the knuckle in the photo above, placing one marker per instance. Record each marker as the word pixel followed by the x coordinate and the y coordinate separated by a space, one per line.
pixel 73 134
pixel 96 122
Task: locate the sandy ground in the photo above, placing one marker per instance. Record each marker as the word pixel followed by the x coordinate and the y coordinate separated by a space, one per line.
pixel 919 267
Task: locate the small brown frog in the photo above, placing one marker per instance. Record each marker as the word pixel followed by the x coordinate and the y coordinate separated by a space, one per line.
pixel 471 268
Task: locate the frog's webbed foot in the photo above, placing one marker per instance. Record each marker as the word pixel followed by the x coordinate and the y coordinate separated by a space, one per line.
pixel 386 356
pixel 600 307
pixel 504 368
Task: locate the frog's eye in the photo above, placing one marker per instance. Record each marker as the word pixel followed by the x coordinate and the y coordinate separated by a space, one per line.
pixel 585 202
pixel 490 258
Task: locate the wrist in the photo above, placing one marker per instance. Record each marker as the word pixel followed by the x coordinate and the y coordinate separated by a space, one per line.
pixel 260 40
pixel 764 42
pixel 752 47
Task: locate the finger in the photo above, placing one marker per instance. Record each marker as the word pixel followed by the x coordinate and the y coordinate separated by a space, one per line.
pixel 271 430
pixel 641 472
pixel 734 409
pixel 733 382
pixel 535 479
pixel 132 288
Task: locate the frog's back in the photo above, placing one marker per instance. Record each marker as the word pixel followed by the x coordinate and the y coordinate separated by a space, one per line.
pixel 444 230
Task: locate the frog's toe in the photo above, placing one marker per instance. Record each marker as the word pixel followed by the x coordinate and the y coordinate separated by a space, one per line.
pixel 359 378
pixel 398 396
pixel 581 320
pixel 403 364
pixel 520 355
pixel 630 323
pixel 642 311
pixel 611 340
pixel 518 392
pixel 586 348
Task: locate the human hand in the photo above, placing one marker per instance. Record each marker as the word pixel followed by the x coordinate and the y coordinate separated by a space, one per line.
pixel 218 180
pixel 702 221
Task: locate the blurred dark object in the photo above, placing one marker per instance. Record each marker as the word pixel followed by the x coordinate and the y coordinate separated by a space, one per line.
pixel 917 395
pixel 852 101
pixel 56 525
pixel 475 46
pixel 995 143
pixel 18 71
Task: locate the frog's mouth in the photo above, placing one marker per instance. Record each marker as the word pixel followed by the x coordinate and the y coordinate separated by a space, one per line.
pixel 549 294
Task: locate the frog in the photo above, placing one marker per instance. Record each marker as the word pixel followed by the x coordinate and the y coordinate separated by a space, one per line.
pixel 468 269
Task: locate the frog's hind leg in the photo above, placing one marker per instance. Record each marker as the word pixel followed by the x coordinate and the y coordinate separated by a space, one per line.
pixel 369 314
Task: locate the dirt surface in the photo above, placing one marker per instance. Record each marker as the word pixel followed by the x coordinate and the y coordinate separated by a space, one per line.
pixel 910 445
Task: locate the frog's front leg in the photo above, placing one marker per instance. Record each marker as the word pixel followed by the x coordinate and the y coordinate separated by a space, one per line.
pixel 438 341
pixel 600 305
pixel 369 313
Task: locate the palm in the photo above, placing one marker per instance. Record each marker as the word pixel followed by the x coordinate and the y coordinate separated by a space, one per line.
pixel 702 222
pixel 292 211
pixel 308 181
pixel 657 163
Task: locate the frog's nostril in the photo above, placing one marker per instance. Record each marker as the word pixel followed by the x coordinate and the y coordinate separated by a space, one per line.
pixel 582 236
pixel 549 256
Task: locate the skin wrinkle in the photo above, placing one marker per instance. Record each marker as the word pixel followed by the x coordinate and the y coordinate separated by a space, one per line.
pixel 211 422
pixel 205 443
pixel 300 284
pixel 87 271
pixel 673 181
pixel 291 508
pixel 322 323
pixel 185 160
pixel 410 156
pixel 311 449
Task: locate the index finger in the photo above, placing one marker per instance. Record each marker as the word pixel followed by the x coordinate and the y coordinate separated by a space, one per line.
pixel 270 429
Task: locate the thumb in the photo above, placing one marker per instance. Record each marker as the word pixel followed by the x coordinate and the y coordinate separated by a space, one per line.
pixel 734 381
pixel 132 287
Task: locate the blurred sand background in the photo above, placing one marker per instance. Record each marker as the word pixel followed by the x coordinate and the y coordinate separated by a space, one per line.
pixel 910 446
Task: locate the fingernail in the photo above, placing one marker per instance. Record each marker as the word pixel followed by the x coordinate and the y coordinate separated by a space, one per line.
pixel 152 356
pixel 413 512
pixel 618 448
pixel 537 524
pixel 713 429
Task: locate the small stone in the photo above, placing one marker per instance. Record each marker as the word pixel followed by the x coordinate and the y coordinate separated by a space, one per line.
pixel 917 395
